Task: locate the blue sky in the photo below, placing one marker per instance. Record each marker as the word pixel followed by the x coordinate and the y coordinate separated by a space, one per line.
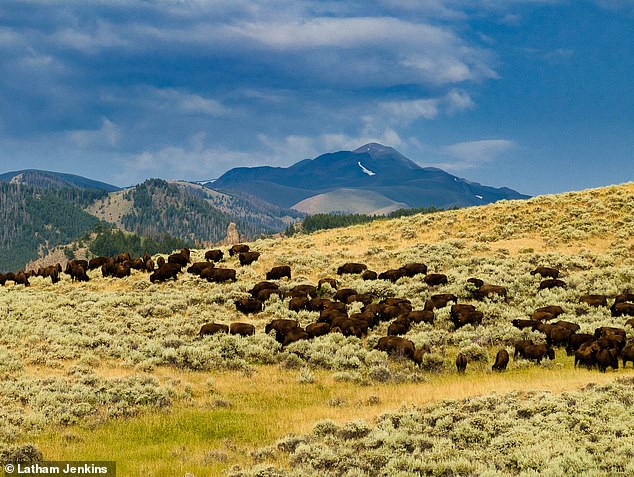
pixel 535 95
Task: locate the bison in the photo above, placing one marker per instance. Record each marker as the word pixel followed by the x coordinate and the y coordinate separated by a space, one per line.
pixel 330 281
pixel 279 272
pixel 461 362
pixel 212 329
pixel 594 300
pixel 317 329
pixel 546 272
pixel 501 360
pixel 440 301
pixel 238 248
pixel 396 346
pixel 218 275
pixel 369 275
pixel 214 255
pixel 627 354
pixel 392 275
pixel 551 283
pixel 487 290
pixel 412 269
pixel 247 258
pixel 197 267
pixel 248 305
pixel 435 279
pixel 165 272
pixel 242 329
pixel 537 352
pixel 351 268
pixel 607 358
pixel 419 353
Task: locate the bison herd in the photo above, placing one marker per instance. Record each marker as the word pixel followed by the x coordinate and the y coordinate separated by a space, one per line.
pixel 601 349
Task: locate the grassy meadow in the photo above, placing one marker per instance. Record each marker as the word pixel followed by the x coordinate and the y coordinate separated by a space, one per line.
pixel 113 369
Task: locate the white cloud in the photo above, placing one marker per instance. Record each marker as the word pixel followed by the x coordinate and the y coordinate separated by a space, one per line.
pixel 107 136
pixel 472 154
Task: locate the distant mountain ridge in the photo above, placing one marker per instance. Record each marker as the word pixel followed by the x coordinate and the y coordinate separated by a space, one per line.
pixel 372 168
pixel 48 179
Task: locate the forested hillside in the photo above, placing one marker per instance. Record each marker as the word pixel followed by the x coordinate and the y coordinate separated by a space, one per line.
pixel 35 220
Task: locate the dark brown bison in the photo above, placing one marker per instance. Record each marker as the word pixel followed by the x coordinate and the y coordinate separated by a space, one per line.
pixel 149 265
pixel 242 329
pixel 627 354
pixel 576 340
pixel 239 248
pixel 399 326
pixel 560 335
pixel 520 346
pixel 247 258
pixel 440 300
pixel 343 293
pixel 352 327
pixel 501 360
pixel 622 309
pixel 214 255
pixel 630 322
pixel 594 300
pixel 419 353
pixel 546 272
pixel 607 358
pixel 396 346
pixel 464 314
pixel 537 352
pixel 165 272
pixel 310 290
pixel 317 329
pixel 551 283
pixel 435 279
pixel 328 315
pixel 218 275
pixel 212 329
pixel 50 271
pixel 279 272
pixel 392 275
pixel 180 258
pixel 351 268
pixel 554 310
pixel 197 267
pixel 369 275
pixel 412 269
pixel 121 270
pixel 365 298
pixel 475 282
pixel 248 305
pixel 280 325
pixel 293 335
pixel 136 263
pixel 77 271
pixel 298 303
pixel 421 316
pixel 487 290
pixel 267 293
pixel 461 362
pixel 330 281
pixel 624 297
pixel 160 261
pixel 521 324
pixel 97 262
pixel 21 278
pixel 542 316
pixel 586 354
pixel 122 257
pixel 258 287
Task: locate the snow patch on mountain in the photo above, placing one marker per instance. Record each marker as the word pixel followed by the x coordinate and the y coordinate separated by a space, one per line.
pixel 366 171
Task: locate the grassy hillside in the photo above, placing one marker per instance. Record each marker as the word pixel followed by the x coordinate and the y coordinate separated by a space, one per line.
pixel 112 365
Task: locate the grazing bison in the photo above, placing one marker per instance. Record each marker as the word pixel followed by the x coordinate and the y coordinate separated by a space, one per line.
pixel 630 322
pixel 330 281
pixel 165 272
pixel 521 324
pixel 317 329
pixel 461 363
pixel 586 354
pixel 392 275
pixel 122 257
pixel 475 282
pixel 421 316
pixel 369 275
pixel 487 290
pixel 501 360
pixel 435 279
pixel 520 346
pixel 627 354
pixel 242 329
pixel 280 325
pixel 249 305
pixel 212 329
pixel 218 275
pixel 197 267
pixel 293 335
pixel 365 298
pixel 542 316
pixel 554 310
pixel 50 271
pixel 419 353
pixel 267 293
pixel 594 300
pixel 607 358
pixel 247 258
pixel 400 326
pixel 160 261
pixel 76 270
pixel 279 272
pixel 343 294
pixel 178 258
pixel 537 352
pixel 412 269
pixel 214 255
pixel 121 270
pixel 463 314
pixel 576 340
pixel 258 287
pixel 551 283
pixel 239 248
pixel 22 278
pixel 310 290
pixel 621 309
pixel 351 268
pixel 546 272
pixel 396 346
pixel 97 262
pixel 299 303
pixel 440 301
